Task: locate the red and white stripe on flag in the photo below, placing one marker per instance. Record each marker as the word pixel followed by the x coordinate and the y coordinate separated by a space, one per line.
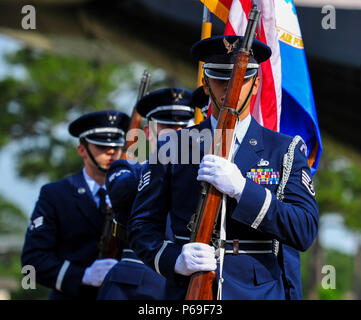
pixel 266 106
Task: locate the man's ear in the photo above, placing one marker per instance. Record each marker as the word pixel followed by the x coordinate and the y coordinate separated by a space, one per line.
pixel 81 150
pixel 256 86
pixel 205 87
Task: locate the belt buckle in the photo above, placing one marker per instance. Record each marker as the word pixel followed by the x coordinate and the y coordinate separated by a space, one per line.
pixel 235 247
pixel 218 243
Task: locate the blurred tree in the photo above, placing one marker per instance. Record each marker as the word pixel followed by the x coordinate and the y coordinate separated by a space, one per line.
pixel 13 222
pixel 37 109
pixel 338 189
pixel 343 264
pixel 35 112
pixel 356 275
pixel 12 219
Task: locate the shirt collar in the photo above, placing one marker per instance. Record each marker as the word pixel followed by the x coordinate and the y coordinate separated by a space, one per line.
pixel 92 184
pixel 241 128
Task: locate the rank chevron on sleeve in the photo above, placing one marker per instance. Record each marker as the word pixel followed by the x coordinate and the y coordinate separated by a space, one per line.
pixel 308 183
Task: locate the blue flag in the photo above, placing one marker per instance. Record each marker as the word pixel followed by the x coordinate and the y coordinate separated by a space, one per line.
pixel 298 112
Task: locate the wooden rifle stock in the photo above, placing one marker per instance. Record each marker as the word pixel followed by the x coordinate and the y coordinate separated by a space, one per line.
pixel 107 247
pixel 200 285
pixel 136 118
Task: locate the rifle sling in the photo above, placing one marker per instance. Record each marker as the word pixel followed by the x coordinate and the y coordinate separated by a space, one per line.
pixel 233 111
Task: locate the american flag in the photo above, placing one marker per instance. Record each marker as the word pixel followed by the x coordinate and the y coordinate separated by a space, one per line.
pixel 267 107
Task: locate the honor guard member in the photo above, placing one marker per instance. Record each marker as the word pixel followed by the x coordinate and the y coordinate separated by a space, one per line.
pixel 270 197
pixel 61 241
pixel 131 279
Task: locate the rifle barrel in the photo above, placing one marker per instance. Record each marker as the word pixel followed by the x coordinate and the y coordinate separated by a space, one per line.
pixel 200 285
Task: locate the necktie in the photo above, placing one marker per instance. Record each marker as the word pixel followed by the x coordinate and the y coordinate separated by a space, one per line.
pixel 102 204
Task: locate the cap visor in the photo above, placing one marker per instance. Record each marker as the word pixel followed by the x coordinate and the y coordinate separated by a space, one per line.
pixel 113 143
pixel 226 74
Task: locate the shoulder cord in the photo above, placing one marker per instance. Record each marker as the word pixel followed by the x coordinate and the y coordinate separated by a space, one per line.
pixel 287 167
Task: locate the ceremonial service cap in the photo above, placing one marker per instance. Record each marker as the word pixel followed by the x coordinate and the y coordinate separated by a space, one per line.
pixel 106 128
pixel 168 106
pixel 219 54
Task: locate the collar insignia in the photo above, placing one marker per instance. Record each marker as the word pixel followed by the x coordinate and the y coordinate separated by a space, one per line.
pixel 81 190
pixel 253 142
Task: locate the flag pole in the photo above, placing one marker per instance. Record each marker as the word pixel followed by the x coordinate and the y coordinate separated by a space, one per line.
pixel 206 33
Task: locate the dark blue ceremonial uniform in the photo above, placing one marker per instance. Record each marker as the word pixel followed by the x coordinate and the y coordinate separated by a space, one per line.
pixel 258 216
pixel 61 240
pixel 292 273
pixel 130 278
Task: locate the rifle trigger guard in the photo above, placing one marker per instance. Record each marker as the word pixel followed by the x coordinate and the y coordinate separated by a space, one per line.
pixel 191 223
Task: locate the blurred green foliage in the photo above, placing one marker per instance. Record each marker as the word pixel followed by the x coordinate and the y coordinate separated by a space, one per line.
pixel 12 218
pixel 338 185
pixel 329 294
pixel 10 268
pixel 37 108
pixel 338 190
pixel 40 293
pixel 344 267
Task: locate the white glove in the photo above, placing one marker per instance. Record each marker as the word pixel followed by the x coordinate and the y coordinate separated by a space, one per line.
pixel 195 256
pixel 95 274
pixel 222 174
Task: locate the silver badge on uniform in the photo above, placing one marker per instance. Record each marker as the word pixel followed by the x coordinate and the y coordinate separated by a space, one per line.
pixel 307 182
pixel 263 163
pixel 144 181
pixel 253 142
pixel 81 190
